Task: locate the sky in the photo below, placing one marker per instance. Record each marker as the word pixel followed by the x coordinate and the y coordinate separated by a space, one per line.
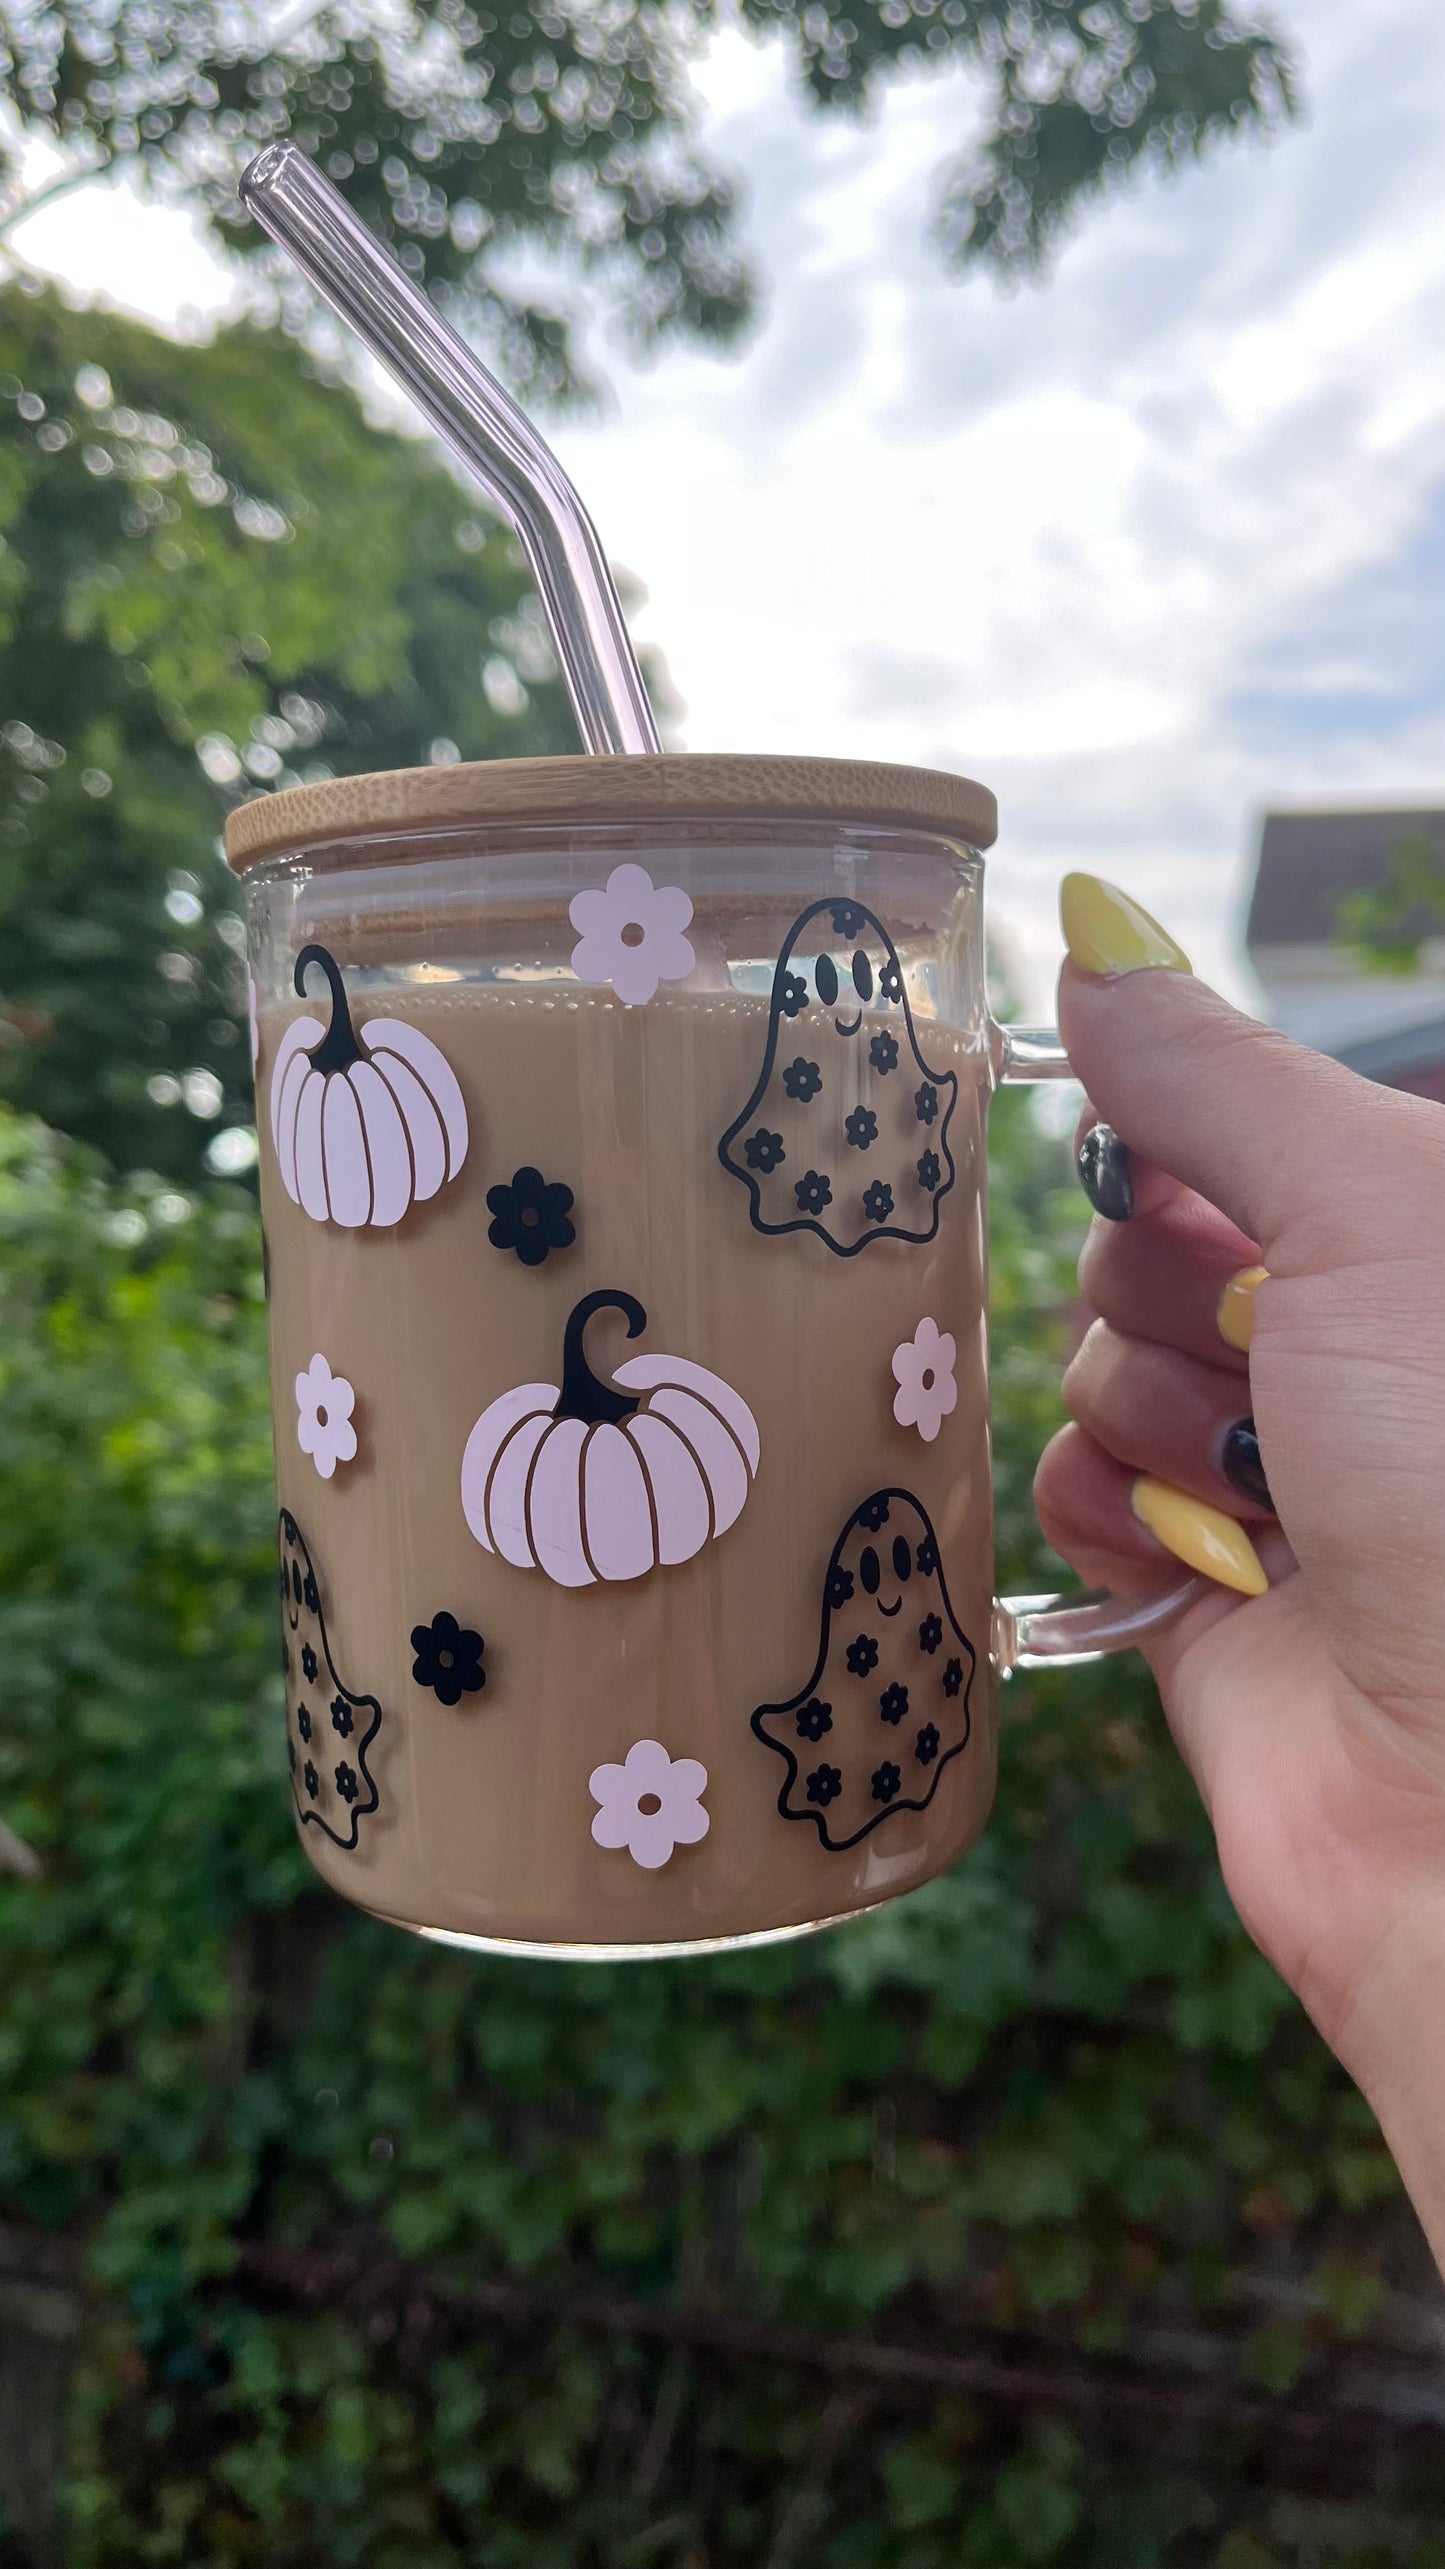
pixel 1148 549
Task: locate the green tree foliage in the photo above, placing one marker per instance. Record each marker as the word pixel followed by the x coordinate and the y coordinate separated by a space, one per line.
pixel 465 135
pixel 1051 2116
pixel 1391 924
pixel 214 577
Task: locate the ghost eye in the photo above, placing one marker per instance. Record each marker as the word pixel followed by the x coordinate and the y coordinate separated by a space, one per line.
pixel 825 974
pixel 902 1559
pixel 862 975
pixel 870 1570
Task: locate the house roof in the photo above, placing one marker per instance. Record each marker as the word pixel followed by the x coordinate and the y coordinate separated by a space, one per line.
pixel 1309 861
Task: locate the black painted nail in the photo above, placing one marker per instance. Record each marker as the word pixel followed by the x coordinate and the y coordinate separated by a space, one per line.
pixel 1239 1462
pixel 1106 1172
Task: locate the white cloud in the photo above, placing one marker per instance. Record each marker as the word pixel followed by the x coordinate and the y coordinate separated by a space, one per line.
pixel 153 260
pixel 1073 541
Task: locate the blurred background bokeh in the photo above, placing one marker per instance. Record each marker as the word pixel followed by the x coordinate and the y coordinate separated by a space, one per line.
pixel 1051 391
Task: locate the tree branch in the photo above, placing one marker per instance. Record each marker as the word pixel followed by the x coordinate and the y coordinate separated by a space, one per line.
pixel 50 194
pixel 1354 2405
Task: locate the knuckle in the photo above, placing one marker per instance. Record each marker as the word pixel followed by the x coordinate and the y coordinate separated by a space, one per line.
pixel 1098 1264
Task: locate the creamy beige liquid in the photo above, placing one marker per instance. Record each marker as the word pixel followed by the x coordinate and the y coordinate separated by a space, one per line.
pixel 483 1819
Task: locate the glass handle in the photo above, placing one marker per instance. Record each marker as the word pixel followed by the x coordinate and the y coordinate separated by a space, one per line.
pixel 1029 1053
pixel 1059 1631
pixel 1062 1632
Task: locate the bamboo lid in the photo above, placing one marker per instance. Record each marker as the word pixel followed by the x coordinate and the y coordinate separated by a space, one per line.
pixel 570 792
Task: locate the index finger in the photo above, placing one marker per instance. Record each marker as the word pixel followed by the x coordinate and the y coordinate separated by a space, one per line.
pixel 1279 1138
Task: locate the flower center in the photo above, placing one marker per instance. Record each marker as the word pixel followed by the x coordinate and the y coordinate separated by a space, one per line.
pixel 634 934
pixel 927 1378
pixel 529 1217
pixel 444 1659
pixel 649 1804
pixel 321 1413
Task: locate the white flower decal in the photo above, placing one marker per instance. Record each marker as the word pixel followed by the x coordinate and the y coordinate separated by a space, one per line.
pixel 923 1371
pixel 650 1804
pixel 632 934
pixel 324 1403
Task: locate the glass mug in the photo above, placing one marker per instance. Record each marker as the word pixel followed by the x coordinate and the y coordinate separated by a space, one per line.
pixel 623 1180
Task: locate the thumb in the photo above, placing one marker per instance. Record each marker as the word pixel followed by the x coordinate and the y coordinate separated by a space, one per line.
pixel 1289 1144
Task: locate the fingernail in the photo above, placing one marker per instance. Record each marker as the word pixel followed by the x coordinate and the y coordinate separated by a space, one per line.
pixel 1106 1172
pixel 1201 1535
pixel 1235 1314
pixel 1240 1463
pixel 1106 931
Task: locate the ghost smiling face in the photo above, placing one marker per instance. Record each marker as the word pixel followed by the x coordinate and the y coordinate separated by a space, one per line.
pixel 887 1704
pixel 846 1132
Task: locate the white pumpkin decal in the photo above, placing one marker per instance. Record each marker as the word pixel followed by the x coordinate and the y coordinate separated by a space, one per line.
pixel 592 1482
pixel 364 1125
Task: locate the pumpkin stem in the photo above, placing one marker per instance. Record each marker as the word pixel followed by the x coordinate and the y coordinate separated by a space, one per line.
pixel 583 1396
pixel 338 1047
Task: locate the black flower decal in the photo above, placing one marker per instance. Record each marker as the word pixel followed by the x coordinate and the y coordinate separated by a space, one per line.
pixel 848 919
pixel 321 1804
pixel 802 1080
pixel 927 1556
pixel 861 1128
pixel 878 1200
pixel 448 1658
pixel 764 1151
pixel 860 1678
pixel 890 983
pixel 929 1170
pixel 531 1217
pixel 925 1102
pixel 953 1677
pixel 346 1784
pixel 792 994
pixel 813 1193
pixel 883 1053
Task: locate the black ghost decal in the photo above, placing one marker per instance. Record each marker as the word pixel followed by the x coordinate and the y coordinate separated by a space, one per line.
pixel 846 1132
pixel 328 1728
pixel 887 1704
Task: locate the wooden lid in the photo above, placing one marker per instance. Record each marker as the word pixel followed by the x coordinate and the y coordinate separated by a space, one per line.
pixel 572 791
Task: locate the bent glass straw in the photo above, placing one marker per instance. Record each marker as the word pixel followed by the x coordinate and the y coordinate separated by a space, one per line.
pixel 483 427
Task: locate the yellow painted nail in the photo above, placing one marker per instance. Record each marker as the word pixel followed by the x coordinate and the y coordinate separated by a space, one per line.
pixel 1201 1535
pixel 1236 1307
pixel 1107 931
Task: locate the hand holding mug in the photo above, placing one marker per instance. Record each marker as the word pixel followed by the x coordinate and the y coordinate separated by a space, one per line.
pixel 1274 1305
